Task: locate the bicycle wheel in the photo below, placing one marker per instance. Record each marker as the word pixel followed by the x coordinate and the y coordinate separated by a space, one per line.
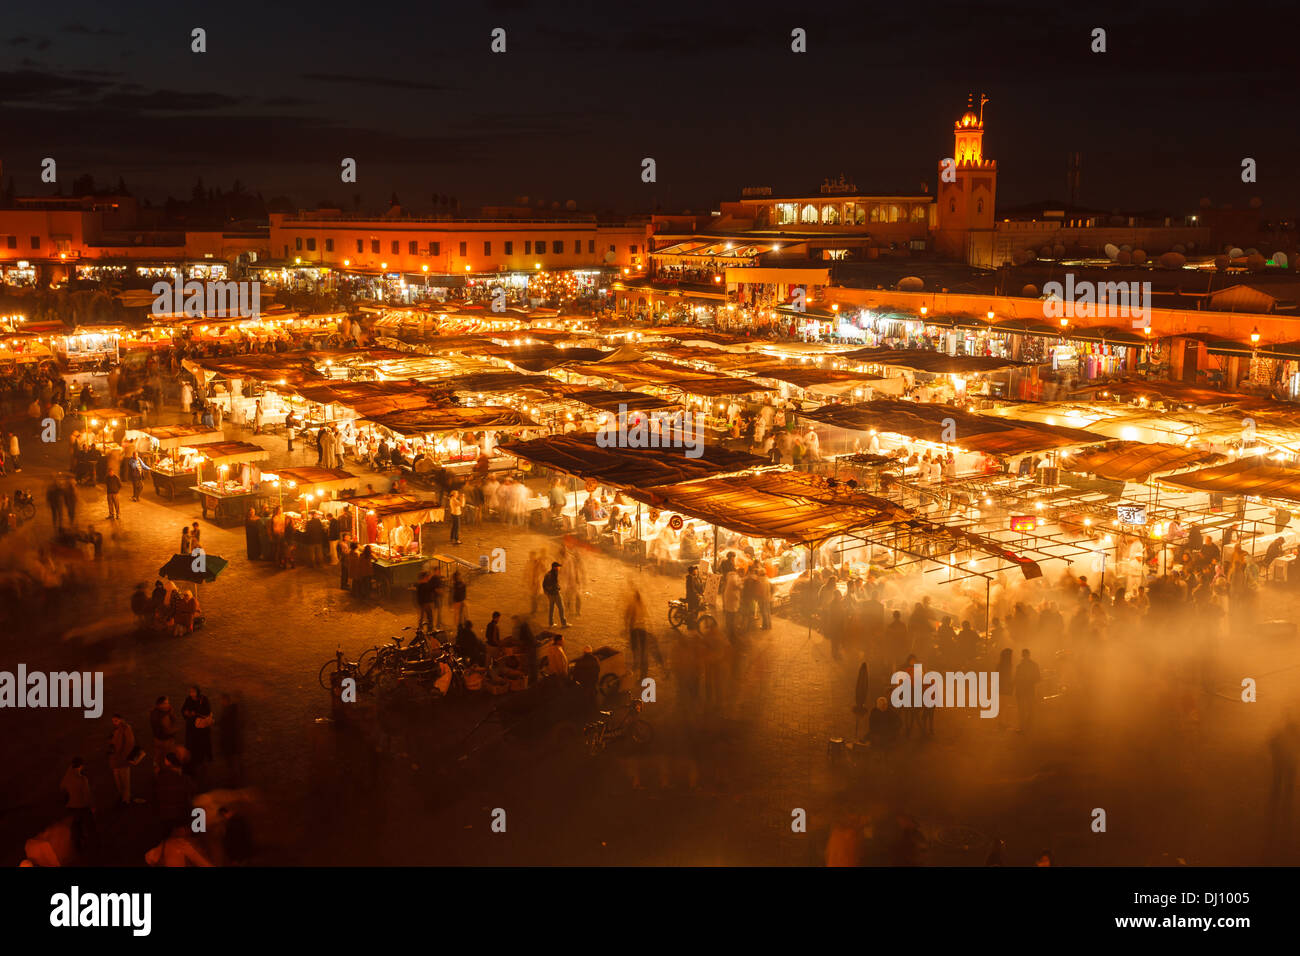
pixel 327 672
pixel 609 684
pixel 676 617
pixel 27 511
pixel 706 623
pixel 367 661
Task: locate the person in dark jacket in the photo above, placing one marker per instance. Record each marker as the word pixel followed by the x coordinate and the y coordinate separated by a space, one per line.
pixel 586 672
pixel 252 536
pixel 883 724
pixel 198 727
pixel 171 794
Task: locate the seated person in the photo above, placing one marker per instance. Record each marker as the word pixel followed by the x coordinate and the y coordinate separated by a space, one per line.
pixel 883 724
pixel 615 518
pixel 592 510
pixel 690 546
pixel 469 646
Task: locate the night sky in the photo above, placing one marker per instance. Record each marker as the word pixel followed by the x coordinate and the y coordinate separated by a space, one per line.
pixel 586 90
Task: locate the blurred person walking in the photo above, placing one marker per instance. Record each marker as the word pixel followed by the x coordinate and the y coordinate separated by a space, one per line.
pixel 1027 677
pixel 162 724
pixel 121 745
pixel 198 728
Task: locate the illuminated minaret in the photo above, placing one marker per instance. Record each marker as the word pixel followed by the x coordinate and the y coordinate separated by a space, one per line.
pixel 966 193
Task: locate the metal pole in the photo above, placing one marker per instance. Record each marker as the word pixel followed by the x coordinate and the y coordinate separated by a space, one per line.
pixel 988 609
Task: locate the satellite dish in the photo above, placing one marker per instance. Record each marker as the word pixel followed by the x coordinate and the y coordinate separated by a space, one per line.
pixel 911 284
pixel 1256 263
pixel 1221 263
pixel 1172 260
pixel 1126 248
pixel 1112 250
pixel 1124 258
pixel 1058 251
pixel 1045 252
pixel 1139 256
pixel 1280 260
pixel 1235 253
pixel 1030 291
pixel 1252 252
pixel 1180 248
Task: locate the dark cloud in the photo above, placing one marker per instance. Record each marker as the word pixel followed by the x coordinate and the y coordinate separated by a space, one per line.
pixel 37 86
pixel 169 100
pixel 377 81
pixel 36 43
pixel 83 30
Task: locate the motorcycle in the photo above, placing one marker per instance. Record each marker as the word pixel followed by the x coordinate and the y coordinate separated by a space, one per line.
pixel 680 616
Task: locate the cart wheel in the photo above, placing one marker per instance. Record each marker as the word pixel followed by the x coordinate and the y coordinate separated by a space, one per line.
pixel 640 732
pixel 327 673
pixel 676 618
pixel 706 623
pixel 609 684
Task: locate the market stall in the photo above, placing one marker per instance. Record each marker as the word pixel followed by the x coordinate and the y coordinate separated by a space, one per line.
pixel 228 480
pixel 307 485
pixel 392 527
pixel 172 455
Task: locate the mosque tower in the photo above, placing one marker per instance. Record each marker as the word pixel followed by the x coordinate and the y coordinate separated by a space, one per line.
pixel 965 222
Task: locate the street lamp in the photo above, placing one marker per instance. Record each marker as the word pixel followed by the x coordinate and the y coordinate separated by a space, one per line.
pixel 1254 337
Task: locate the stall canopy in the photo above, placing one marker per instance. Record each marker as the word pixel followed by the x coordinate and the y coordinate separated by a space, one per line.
pixel 234 452
pixel 1245 476
pixel 794 506
pixel 540 358
pixel 1136 461
pixel 427 421
pixel 921 360
pixel 1190 395
pixel 611 400
pixel 931 422
pixel 393 510
pixel 368 399
pixel 579 454
pixel 308 478
pixel 668 375
pixel 180 436
pixel 812 376
pixel 501 381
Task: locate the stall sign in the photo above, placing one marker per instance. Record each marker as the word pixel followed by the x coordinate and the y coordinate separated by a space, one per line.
pixel 1023 522
pixel 1131 514
pixel 676 522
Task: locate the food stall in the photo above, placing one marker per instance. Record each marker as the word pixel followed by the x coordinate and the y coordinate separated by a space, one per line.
pixel 392 526
pixel 306 485
pixel 173 455
pixel 228 480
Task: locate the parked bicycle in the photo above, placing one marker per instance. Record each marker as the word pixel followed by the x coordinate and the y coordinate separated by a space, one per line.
pixel 334 671
pixel 24 506
pixel 608 727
